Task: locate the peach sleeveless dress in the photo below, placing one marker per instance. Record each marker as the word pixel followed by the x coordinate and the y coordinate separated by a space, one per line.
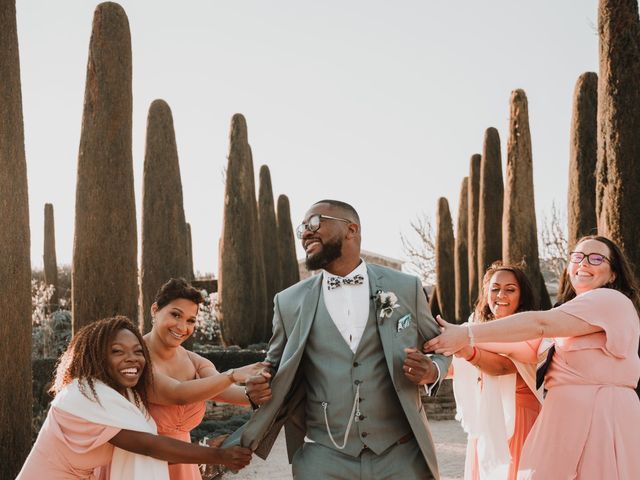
pixel 176 421
pixel 527 408
pixel 68 447
pixel 588 428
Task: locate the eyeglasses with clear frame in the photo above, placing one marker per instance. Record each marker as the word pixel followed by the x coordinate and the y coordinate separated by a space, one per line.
pixel 594 259
pixel 314 222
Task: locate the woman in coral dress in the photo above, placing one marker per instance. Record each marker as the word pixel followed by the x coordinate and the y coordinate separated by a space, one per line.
pixel 496 398
pixel 98 426
pixel 588 426
pixel 184 379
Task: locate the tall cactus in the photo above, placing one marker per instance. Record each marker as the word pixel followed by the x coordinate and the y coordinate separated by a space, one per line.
pixel 461 255
pixel 288 258
pixel 582 159
pixel 618 174
pixel 49 253
pixel 270 245
pixel 444 260
pixel 104 275
pixel 164 230
pixel 519 230
pixel 242 307
pixel 15 264
pixel 490 204
pixel 473 199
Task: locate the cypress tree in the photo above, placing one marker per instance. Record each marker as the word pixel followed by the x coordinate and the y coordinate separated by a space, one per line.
pixel 618 175
pixel 15 264
pixel 241 305
pixel 288 258
pixel 190 271
pixel 445 276
pixel 49 255
pixel 473 197
pixel 164 231
pixel 461 255
pixel 270 245
pixel 104 273
pixel 434 306
pixel 490 204
pixel 582 159
pixel 519 230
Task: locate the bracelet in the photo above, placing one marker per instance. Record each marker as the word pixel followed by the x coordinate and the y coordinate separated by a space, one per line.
pixel 473 355
pixel 472 341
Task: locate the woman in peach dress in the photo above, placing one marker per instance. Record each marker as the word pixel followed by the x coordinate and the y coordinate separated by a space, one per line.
pixel 98 419
pixel 183 379
pixel 588 426
pixel 496 398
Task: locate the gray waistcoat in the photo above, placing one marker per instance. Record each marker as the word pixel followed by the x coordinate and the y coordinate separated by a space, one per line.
pixel 331 371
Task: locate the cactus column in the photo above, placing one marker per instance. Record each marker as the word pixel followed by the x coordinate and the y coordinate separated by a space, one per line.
pixel 473 199
pixel 164 230
pixel 490 204
pixel 618 165
pixel 104 274
pixel 49 255
pixel 461 256
pixel 15 263
pixel 519 230
pixel 241 304
pixel 270 245
pixel 444 261
pixel 582 159
pixel 288 258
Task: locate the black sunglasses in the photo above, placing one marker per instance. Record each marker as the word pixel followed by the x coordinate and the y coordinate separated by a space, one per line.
pixel 314 222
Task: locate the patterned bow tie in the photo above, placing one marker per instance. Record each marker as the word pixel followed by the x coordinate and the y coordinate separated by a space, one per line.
pixel 335 282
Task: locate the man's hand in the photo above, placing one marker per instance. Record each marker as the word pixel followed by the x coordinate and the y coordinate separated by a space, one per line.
pixel 258 388
pixel 418 368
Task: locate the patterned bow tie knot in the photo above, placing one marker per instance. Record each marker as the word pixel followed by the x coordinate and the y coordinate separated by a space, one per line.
pixel 335 282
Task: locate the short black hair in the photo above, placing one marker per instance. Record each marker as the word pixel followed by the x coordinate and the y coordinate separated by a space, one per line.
pixel 177 288
pixel 343 206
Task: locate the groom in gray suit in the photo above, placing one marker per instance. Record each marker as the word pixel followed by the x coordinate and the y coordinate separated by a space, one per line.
pixel 348 367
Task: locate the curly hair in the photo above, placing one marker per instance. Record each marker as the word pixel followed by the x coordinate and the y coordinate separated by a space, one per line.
pixel 85 359
pixel 177 288
pixel 527 301
pixel 625 281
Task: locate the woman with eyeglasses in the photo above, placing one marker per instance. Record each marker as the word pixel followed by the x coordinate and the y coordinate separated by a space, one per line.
pixel 588 425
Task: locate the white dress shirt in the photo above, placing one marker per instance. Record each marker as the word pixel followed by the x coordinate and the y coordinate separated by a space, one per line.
pixel 348 305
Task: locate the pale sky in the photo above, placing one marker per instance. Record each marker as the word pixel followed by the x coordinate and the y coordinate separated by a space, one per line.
pixel 377 103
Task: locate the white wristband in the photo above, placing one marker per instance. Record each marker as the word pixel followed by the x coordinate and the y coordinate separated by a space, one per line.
pixel 472 341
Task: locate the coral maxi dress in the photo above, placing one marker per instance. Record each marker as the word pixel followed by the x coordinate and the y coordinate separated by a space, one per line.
pixel 176 421
pixel 589 426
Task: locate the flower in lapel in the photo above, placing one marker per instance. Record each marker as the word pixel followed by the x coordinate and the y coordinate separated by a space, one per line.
pixel 386 303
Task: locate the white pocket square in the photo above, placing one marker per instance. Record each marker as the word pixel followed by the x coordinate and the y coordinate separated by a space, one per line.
pixel 404 322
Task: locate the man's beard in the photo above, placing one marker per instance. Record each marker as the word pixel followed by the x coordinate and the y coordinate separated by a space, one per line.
pixel 330 251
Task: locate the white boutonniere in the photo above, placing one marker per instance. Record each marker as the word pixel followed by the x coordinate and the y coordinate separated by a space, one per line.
pixel 386 303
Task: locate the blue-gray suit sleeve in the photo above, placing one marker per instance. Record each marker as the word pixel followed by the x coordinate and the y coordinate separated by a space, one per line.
pixel 278 338
pixel 428 329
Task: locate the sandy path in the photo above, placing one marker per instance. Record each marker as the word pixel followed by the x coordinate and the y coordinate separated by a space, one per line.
pixel 450 448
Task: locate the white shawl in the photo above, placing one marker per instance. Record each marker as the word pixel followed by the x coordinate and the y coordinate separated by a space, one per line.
pixel 487 415
pixel 115 411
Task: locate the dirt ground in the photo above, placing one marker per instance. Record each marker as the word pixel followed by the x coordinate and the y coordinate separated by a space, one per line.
pixel 450 448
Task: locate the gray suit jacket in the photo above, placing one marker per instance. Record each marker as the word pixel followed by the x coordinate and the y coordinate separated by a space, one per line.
pixel 294 310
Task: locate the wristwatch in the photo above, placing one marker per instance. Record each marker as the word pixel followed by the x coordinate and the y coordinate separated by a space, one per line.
pixel 229 373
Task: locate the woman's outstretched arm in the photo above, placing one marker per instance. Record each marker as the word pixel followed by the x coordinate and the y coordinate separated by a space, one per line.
pixel 176 451
pixel 515 328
